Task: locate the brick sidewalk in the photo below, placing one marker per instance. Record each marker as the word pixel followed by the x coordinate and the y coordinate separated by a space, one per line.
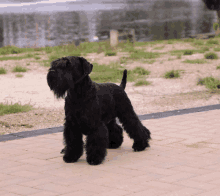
pixel 184 159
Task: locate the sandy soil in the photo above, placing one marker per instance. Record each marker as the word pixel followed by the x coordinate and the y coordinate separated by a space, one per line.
pixel 162 95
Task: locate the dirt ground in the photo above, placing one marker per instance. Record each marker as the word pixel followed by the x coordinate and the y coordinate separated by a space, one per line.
pixel 162 95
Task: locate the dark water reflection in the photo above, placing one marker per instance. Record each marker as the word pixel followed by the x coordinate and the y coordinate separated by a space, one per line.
pixel 152 20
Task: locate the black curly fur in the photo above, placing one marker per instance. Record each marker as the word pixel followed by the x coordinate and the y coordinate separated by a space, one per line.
pixel 91 109
pixel 212 4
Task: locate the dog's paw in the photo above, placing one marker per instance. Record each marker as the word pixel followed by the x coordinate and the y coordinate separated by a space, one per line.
pixel 140 146
pixel 94 161
pixel 69 159
pixel 147 133
pixel 113 145
pixel 63 151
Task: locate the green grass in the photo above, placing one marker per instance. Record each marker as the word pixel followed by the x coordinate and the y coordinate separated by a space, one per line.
pixel 19 75
pixel 45 63
pixel 124 60
pixel 140 71
pixel 2 70
pixel 104 73
pixel 10 50
pixel 211 41
pixel 110 53
pixel 159 48
pixel 142 83
pixel 19 69
pixel 216 49
pixel 188 40
pixel 218 67
pixel 14 108
pixel 5 58
pixel 198 42
pixel 141 55
pixel 196 61
pixel 188 52
pixel 203 49
pixel 182 52
pixel 114 72
pixel 209 82
pixel 172 74
pixel 211 55
pixel 36 57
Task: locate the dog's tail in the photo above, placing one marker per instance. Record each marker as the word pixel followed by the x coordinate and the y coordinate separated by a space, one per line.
pixel 124 79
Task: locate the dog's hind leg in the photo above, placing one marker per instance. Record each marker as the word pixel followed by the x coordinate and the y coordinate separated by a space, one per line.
pixel 132 125
pixel 115 134
pixel 73 141
pixel 96 145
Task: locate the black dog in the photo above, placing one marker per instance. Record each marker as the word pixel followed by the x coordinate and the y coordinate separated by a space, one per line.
pixel 212 4
pixel 91 109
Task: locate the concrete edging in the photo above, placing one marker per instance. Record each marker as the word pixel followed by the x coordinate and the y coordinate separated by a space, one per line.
pixel 33 133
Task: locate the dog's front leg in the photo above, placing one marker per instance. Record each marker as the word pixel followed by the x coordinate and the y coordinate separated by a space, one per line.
pixel 74 142
pixel 96 145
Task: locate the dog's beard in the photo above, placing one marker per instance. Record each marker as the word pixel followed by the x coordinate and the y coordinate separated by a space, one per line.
pixel 59 91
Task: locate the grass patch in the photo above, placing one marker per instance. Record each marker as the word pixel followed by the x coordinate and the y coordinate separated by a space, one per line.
pixel 10 50
pixel 114 72
pixel 212 41
pixel 9 125
pixel 140 71
pixel 142 83
pixel 19 69
pixel 196 61
pixel 107 73
pixel 159 48
pixel 203 49
pixel 182 52
pixel 36 57
pixel 19 75
pixel 45 63
pixel 14 108
pixel 209 82
pixel 198 42
pixel 216 49
pixel 139 54
pixel 110 53
pixel 94 47
pixel 188 52
pixel 5 58
pixel 2 70
pixel 172 74
pixel 218 67
pixel 123 60
pixel 211 55
pixel 188 40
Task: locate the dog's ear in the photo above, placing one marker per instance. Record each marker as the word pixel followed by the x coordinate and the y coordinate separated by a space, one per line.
pixel 87 67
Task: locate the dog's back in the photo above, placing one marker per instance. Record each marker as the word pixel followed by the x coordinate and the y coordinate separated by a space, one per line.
pixel 124 79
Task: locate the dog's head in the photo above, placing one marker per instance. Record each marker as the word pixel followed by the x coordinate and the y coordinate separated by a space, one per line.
pixel 64 73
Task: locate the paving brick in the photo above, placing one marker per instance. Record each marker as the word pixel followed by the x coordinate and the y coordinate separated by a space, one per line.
pixel 214 192
pixel 196 185
pixel 45 193
pixel 22 190
pixel 177 177
pixel 183 192
pixel 183 160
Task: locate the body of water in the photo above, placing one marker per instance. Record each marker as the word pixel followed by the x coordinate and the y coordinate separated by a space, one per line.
pixel 41 25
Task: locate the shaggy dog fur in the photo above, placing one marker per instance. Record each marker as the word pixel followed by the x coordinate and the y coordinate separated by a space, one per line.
pixel 91 109
pixel 212 4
